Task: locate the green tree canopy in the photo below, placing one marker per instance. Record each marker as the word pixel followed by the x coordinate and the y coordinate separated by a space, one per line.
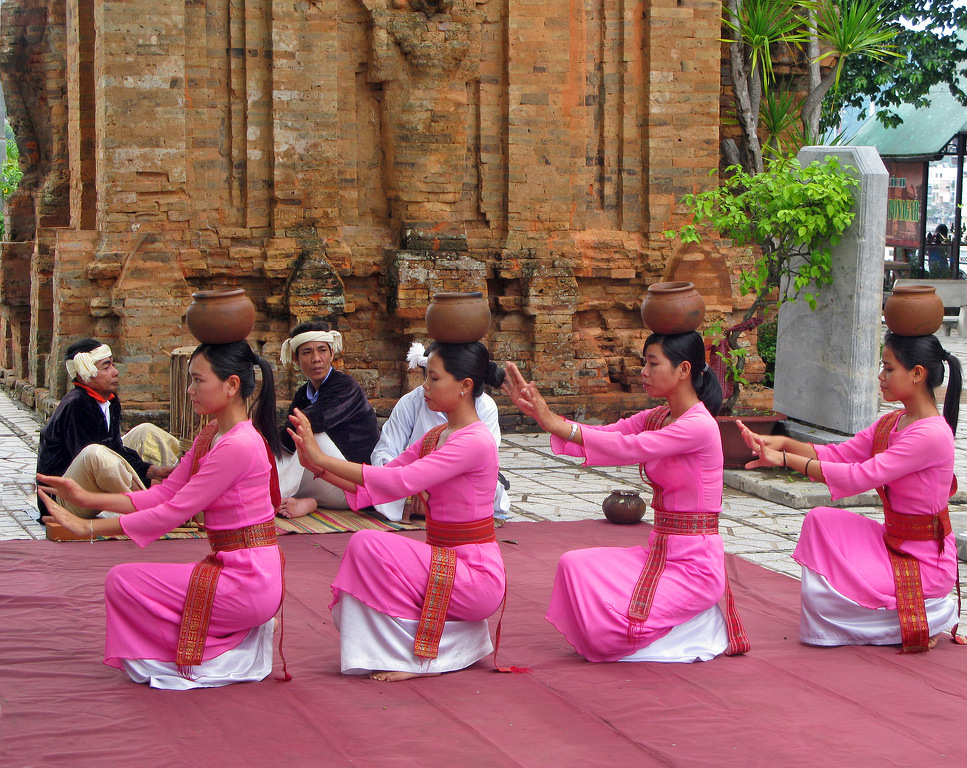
pixel 933 41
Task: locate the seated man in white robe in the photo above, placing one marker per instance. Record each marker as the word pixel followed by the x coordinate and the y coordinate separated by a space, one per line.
pixel 410 419
pixel 343 422
pixel 83 438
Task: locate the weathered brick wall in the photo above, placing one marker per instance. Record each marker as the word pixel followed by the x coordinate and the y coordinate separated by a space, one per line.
pixel 347 159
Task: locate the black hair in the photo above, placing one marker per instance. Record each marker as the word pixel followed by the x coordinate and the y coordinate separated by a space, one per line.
pixel 927 351
pixel 679 347
pixel 238 359
pixel 469 361
pixel 84 345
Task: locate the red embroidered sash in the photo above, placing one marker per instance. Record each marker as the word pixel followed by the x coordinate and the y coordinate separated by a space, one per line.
pixel 900 527
pixel 676 524
pixel 443 571
pixel 200 596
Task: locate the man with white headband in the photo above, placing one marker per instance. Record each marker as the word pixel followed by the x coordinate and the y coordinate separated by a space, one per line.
pixel 343 421
pixel 410 419
pixel 83 438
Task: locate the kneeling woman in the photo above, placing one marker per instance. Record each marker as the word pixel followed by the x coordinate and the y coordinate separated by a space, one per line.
pixel 406 608
pixel 181 626
pixel 865 583
pixel 659 602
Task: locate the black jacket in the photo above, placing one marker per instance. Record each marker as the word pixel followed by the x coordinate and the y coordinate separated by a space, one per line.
pixel 79 422
pixel 341 411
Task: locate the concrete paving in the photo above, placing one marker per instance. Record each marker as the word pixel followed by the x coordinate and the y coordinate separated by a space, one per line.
pixel 548 487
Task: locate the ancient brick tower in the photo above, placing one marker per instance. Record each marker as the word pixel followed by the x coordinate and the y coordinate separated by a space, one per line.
pixel 347 159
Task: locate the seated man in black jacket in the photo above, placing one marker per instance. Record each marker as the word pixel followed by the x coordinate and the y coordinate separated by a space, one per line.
pixel 343 421
pixel 83 439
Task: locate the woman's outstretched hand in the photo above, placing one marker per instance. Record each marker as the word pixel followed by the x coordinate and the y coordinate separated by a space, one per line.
pixel 310 454
pixel 525 395
pixel 57 514
pixel 766 456
pixel 63 488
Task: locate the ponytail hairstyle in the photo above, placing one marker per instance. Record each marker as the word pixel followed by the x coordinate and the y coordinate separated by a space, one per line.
pixel 927 351
pixel 469 361
pixel 679 347
pixel 238 359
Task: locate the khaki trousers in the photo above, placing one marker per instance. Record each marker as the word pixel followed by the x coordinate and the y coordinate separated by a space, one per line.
pixel 99 469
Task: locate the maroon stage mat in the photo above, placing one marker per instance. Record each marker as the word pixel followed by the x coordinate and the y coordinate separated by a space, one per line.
pixel 783 704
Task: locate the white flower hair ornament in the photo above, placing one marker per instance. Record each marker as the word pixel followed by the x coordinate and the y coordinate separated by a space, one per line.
pixel 416 357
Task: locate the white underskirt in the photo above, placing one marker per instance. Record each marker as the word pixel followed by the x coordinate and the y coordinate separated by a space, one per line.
pixel 829 618
pixel 372 641
pixel 248 662
pixel 701 638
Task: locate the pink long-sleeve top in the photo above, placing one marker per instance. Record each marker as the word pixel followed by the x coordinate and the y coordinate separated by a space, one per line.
pixel 231 486
pixel 917 470
pixel 684 458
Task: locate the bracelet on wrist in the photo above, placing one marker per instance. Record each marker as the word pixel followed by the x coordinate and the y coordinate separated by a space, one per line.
pixel 574 431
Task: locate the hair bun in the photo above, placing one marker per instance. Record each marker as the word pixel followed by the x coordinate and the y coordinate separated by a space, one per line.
pixel 495 375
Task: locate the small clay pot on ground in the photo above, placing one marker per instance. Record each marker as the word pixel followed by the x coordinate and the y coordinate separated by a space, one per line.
pixel 624 507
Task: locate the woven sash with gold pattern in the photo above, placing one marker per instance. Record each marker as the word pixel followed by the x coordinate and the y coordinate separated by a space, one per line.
pixel 900 527
pixel 675 524
pixel 443 571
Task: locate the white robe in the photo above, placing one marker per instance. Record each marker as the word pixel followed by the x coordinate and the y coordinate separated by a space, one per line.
pixel 409 420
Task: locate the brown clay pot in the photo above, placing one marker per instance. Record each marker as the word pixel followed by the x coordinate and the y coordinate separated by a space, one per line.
pixel 624 507
pixel 457 318
pixel 913 310
pixel 672 308
pixel 220 317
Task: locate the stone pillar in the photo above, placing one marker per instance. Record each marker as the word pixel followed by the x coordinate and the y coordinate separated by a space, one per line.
pixel 827 359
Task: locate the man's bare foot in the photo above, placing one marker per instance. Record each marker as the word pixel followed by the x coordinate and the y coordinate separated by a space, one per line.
pixel 932 642
pixel 292 507
pixel 395 677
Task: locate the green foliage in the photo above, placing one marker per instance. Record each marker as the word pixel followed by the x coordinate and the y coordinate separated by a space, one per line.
pixel 762 24
pixel 766 347
pixel 855 28
pixel 792 216
pixel 795 215
pixel 779 118
pixel 932 39
pixel 10 173
pixel 733 358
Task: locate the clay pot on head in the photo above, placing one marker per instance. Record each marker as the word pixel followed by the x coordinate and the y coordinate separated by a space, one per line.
pixel 624 507
pixel 913 310
pixel 672 308
pixel 457 318
pixel 220 317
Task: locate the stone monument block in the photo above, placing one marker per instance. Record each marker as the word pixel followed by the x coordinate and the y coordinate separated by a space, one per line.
pixel 827 359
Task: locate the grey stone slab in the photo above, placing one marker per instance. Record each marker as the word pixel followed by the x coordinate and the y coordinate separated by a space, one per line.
pixel 827 359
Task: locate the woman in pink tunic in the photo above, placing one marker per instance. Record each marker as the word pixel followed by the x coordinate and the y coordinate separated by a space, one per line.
pixel 849 591
pixel 679 448
pixel 231 483
pixel 381 589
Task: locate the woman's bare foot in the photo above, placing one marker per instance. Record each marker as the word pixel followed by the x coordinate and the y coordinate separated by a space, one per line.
pixel 932 642
pixel 395 677
pixel 292 507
